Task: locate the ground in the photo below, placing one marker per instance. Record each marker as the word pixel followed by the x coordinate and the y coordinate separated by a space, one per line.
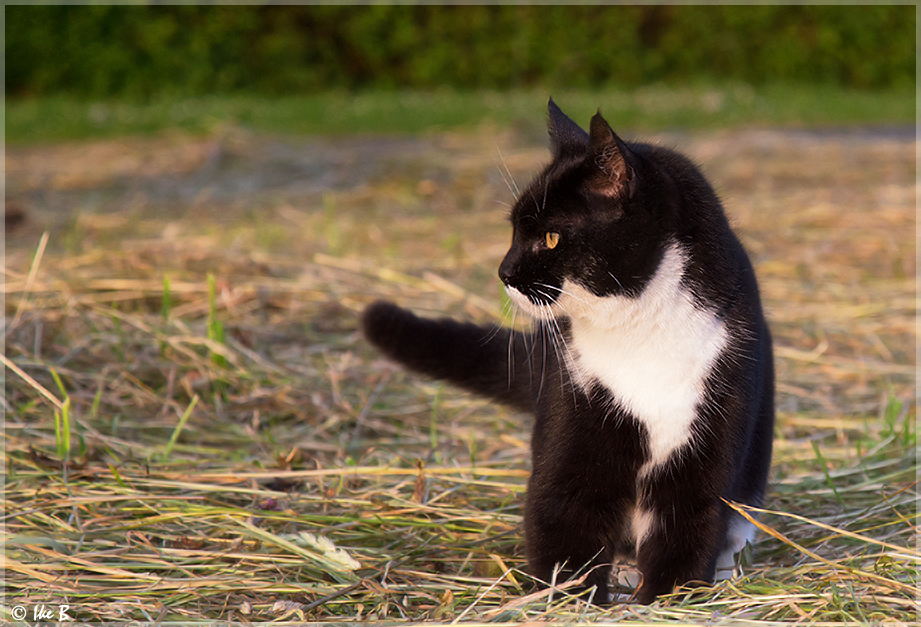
pixel 188 397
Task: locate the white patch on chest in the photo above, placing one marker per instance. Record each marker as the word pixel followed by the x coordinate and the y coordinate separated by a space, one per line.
pixel 653 353
pixel 641 522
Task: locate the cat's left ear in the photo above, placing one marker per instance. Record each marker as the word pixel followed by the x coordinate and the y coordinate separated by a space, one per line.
pixel 566 137
pixel 612 158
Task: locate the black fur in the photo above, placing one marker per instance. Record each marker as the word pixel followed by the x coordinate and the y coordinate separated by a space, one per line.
pixel 617 206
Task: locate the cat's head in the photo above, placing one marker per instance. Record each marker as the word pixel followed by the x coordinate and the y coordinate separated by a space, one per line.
pixel 594 223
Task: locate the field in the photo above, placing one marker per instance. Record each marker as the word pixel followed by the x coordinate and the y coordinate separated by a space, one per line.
pixel 196 431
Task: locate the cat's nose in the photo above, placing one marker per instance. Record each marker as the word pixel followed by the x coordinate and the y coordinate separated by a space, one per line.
pixel 505 272
pixel 507 267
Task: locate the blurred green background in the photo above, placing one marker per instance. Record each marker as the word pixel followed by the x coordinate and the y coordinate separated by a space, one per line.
pixel 227 62
pixel 123 51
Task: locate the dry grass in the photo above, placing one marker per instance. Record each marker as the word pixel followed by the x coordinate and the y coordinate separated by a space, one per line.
pixel 211 429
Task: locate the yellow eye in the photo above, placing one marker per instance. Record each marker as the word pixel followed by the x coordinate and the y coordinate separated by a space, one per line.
pixel 552 239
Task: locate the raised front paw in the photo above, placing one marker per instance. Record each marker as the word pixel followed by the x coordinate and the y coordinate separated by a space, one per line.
pixel 384 324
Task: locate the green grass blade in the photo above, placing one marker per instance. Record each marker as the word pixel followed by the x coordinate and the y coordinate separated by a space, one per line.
pixel 179 427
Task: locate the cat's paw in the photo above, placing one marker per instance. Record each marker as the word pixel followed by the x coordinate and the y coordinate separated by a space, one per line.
pixel 383 323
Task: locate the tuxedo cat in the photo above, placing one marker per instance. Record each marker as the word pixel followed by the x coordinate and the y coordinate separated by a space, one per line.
pixel 649 371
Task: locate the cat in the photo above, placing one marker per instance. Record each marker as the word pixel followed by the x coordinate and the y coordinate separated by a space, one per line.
pixel 649 371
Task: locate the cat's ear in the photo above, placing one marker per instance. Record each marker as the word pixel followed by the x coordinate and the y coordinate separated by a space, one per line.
pixel 566 137
pixel 612 159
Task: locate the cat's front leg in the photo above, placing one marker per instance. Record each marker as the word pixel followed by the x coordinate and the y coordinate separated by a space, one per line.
pixel 470 356
pixel 563 545
pixel 679 546
pixel 574 528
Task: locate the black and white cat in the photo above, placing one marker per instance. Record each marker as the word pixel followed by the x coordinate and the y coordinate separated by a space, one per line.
pixel 649 371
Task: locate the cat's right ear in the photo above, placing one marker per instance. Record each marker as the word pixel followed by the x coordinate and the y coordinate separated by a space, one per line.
pixel 566 137
pixel 611 158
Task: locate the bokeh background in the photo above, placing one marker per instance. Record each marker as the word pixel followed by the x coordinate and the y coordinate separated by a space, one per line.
pixel 200 200
pixel 303 68
pixel 140 52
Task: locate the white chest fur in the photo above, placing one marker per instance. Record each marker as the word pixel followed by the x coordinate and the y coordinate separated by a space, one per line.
pixel 653 353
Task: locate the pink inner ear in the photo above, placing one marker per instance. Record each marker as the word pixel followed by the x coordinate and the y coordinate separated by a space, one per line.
pixel 612 177
pixel 613 173
pixel 608 191
pixel 610 161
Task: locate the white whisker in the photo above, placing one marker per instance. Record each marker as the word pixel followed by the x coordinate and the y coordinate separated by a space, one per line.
pixel 509 172
pixel 616 279
pixel 557 338
pixel 497 325
pixel 511 346
pixel 508 183
pixel 543 366
pixel 562 291
pixel 567 363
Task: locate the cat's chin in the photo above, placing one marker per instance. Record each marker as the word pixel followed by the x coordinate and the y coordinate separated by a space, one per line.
pixel 545 312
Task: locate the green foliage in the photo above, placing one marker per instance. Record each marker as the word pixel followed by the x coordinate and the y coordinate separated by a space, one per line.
pixel 62 430
pixel 179 427
pixel 167 305
pixel 894 413
pixel 143 51
pixel 653 107
pixel 215 326
pixel 62 420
